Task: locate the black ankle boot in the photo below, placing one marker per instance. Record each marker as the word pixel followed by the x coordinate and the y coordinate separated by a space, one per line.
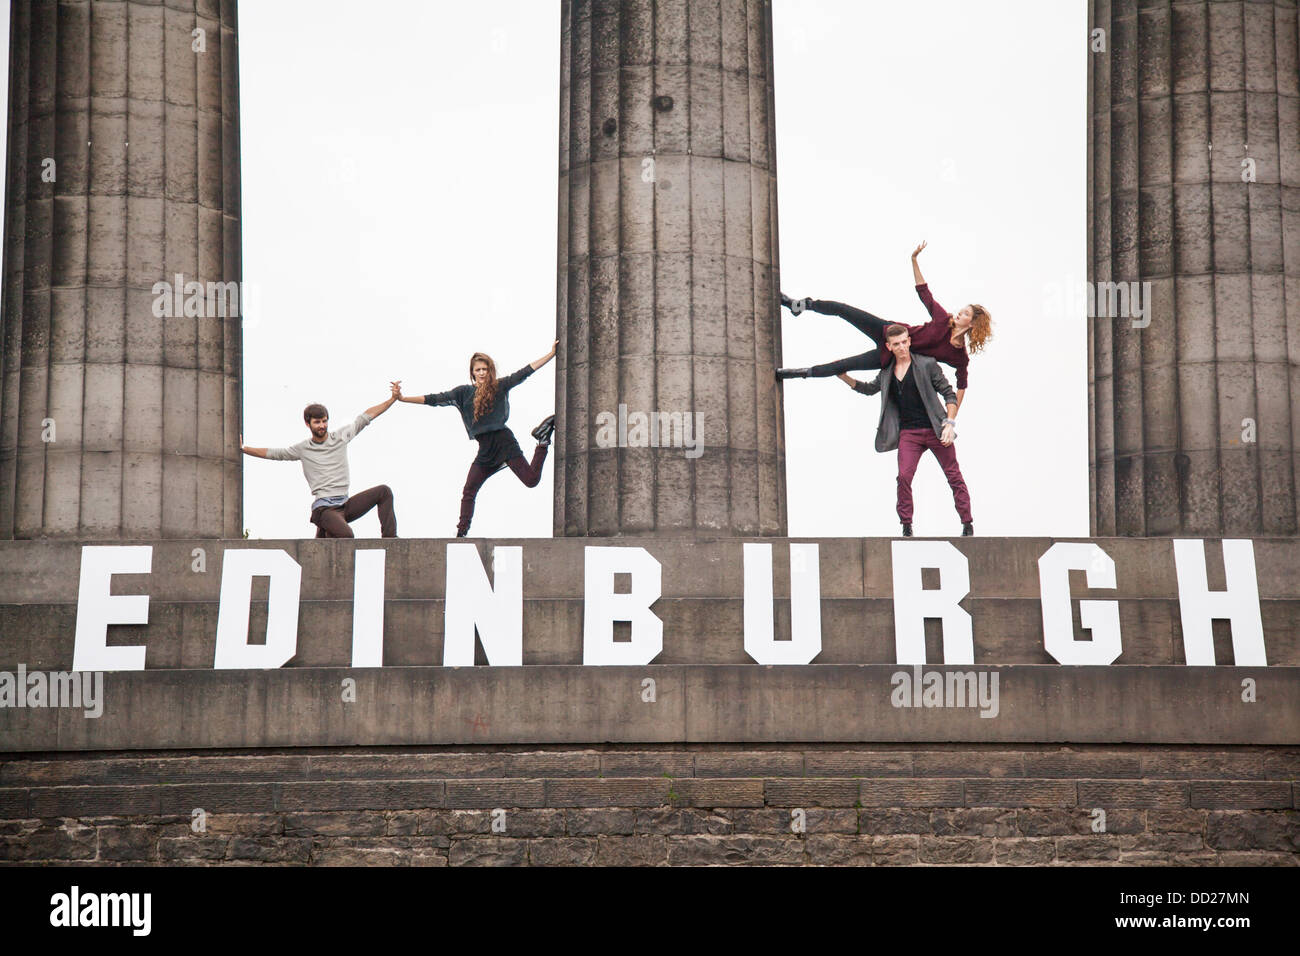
pixel 968 530
pixel 907 531
pixel 784 373
pixel 545 430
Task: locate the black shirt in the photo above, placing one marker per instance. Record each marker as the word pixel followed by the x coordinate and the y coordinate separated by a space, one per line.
pixel 462 396
pixel 911 410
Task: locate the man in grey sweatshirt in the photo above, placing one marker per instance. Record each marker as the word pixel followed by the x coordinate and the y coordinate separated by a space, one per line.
pixel 324 458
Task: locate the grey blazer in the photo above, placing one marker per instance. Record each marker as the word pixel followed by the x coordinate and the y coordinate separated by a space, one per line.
pixel 924 369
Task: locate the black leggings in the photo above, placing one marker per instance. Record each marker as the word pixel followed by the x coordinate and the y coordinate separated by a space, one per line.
pixel 869 325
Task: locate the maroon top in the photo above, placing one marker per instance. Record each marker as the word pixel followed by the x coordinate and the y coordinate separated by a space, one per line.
pixel 935 337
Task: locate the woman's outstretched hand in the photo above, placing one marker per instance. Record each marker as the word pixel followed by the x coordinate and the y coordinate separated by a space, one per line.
pixel 916 252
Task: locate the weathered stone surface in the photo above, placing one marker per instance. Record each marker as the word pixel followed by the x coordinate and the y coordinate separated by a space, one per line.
pixel 987 822
pixel 738 849
pixel 950 850
pixel 1024 851
pixel 128 843
pixel 488 851
pixel 674 821
pixel 716 792
pixel 345 823
pixel 809 792
pixel 1176 821
pixel 894 850
pixel 835 849
pixel 1253 831
pixel 639 850
pixel 591 822
pixel 64 843
pixel 269 849
pixel 563 851
pixel 1098 847
pixel 193 848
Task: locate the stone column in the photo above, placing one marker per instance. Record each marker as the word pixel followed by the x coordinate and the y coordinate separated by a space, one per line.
pixel 1194 187
pixel 123 173
pixel 668 270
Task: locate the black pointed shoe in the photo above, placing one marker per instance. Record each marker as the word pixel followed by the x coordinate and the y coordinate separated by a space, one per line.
pixel 907 531
pixel 794 305
pixel 968 530
pixel 545 430
pixel 783 373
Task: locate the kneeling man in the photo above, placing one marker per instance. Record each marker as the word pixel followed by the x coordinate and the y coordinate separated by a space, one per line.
pixel 324 458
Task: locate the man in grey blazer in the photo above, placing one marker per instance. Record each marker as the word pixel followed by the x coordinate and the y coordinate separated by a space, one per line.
pixel 913 419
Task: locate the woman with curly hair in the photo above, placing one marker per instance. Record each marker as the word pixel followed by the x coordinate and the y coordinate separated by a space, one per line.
pixel 951 339
pixel 484 406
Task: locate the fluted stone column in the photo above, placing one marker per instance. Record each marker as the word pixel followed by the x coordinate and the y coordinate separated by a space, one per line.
pixel 143 131
pixel 1195 419
pixel 668 268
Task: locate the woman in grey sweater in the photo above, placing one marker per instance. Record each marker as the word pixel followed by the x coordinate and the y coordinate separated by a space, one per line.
pixel 484 407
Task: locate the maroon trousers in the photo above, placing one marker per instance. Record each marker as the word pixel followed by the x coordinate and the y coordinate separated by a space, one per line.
pixel 912 443
pixel 333 522
pixel 529 473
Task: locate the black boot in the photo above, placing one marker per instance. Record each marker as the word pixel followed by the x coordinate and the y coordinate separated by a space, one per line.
pixel 907 531
pixel 783 373
pixel 545 430
pixel 968 529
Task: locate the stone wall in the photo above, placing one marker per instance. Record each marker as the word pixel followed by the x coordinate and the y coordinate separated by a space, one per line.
pixel 880 806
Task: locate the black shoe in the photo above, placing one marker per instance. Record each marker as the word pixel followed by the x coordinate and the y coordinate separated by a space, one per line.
pixel 794 305
pixel 783 373
pixel 461 534
pixel 907 531
pixel 545 430
pixel 968 530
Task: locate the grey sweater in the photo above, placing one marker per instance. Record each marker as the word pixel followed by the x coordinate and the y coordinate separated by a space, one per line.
pixel 324 464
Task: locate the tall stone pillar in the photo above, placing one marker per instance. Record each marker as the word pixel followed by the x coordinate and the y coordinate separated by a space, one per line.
pixel 1194 187
pixel 123 173
pixel 668 270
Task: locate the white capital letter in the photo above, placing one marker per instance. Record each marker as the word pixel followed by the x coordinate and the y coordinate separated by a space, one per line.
pixel 602 607
pixel 237 569
pixel 1100 617
pixel 97 608
pixel 913 604
pixel 805 606
pixel 1239 603
pixel 473 601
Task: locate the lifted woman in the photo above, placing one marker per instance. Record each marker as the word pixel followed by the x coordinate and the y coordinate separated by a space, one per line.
pixel 951 339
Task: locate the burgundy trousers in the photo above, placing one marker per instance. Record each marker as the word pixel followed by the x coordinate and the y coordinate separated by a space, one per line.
pixel 529 473
pixel 333 522
pixel 912 443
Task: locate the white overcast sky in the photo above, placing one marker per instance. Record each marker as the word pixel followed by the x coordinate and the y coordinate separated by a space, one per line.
pixel 399 207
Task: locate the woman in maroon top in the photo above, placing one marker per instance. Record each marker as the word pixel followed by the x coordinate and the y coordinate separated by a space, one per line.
pixel 944 337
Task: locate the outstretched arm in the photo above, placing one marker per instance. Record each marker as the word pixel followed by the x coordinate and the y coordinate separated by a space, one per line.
pixel 916 268
pixel 249 450
pixel 547 357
